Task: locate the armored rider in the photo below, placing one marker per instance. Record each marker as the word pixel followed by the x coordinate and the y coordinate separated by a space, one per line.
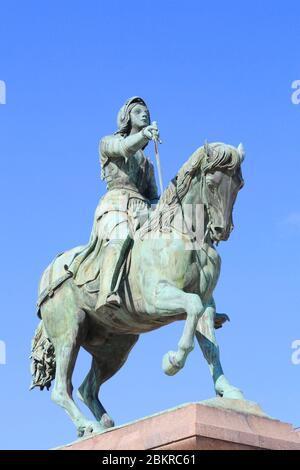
pixel 131 188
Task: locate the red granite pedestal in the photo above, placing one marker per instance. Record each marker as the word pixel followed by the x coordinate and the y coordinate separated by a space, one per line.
pixel 217 424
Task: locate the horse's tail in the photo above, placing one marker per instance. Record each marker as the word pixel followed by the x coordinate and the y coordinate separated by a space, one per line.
pixel 42 359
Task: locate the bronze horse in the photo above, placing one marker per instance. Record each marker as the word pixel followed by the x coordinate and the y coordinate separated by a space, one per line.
pixel 163 281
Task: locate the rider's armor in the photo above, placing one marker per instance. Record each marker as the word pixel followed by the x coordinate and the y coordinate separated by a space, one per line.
pixel 129 176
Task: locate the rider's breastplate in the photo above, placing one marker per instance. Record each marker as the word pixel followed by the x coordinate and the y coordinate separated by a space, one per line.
pixel 127 174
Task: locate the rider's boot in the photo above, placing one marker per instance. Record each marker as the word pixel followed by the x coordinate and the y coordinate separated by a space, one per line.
pixel 107 296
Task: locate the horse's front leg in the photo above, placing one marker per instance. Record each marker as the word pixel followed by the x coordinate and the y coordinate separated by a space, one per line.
pixel 205 334
pixel 170 300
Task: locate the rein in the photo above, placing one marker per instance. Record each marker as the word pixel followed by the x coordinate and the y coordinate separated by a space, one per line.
pixel 192 237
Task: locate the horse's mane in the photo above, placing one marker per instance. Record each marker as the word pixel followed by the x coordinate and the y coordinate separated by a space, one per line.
pixel 208 158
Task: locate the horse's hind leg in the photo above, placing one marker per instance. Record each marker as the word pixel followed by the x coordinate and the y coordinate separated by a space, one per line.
pixel 88 393
pixel 66 345
pixel 205 334
pixel 107 360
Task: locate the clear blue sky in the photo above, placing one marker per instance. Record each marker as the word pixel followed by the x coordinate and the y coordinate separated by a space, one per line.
pixel 220 71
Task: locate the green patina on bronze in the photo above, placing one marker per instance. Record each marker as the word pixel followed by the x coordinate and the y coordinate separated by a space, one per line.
pixel 141 269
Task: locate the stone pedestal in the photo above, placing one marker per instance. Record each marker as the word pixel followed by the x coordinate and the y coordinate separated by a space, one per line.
pixel 215 424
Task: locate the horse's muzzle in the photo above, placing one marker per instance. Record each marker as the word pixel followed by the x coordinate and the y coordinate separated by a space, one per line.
pixel 220 233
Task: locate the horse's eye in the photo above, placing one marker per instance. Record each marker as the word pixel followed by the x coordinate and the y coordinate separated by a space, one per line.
pixel 211 186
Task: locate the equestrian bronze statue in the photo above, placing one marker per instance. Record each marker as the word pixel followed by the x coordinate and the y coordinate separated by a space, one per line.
pixel 150 261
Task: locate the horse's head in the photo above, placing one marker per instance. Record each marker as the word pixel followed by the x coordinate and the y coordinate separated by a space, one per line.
pixel 211 177
pixel 221 181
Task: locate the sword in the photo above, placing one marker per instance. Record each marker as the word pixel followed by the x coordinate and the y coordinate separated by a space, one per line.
pixel 156 142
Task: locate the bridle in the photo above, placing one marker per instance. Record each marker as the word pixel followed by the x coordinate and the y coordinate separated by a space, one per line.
pixel 192 237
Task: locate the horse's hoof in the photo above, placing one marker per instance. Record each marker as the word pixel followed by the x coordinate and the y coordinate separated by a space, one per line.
pixel 90 428
pixel 224 389
pixel 80 431
pixel 230 392
pixel 84 431
pixel 169 364
pixel 233 393
pixel 106 421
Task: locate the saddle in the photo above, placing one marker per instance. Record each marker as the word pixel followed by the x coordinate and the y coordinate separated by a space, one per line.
pixel 58 272
pixel 55 275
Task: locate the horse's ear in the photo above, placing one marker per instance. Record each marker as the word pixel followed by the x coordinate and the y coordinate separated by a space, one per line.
pixel 207 150
pixel 241 151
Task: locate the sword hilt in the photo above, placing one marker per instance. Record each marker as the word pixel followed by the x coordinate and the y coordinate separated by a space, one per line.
pixel 156 139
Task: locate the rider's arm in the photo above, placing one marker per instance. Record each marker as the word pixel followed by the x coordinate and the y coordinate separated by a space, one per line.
pixel 117 146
